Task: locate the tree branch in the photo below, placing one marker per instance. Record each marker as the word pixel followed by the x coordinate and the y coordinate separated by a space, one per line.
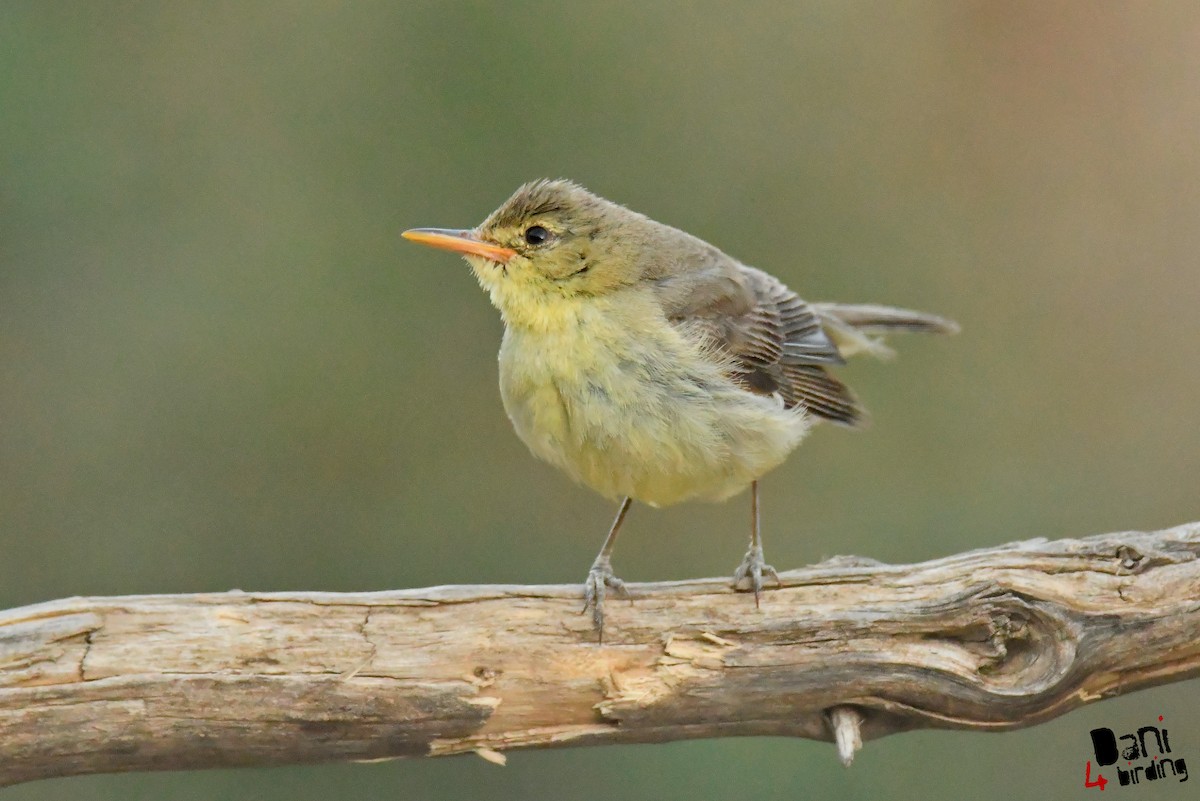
pixel 847 650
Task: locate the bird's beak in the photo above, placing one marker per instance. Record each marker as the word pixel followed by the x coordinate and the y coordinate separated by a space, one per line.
pixel 465 242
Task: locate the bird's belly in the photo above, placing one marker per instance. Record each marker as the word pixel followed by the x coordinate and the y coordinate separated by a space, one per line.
pixel 644 422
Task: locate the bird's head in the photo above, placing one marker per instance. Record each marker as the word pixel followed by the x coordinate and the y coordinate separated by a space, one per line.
pixel 551 241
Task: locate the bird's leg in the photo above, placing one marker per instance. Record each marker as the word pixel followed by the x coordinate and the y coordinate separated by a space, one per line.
pixel 601 576
pixel 753 565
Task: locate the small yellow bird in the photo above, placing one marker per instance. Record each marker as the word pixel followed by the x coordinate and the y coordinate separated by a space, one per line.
pixel 651 366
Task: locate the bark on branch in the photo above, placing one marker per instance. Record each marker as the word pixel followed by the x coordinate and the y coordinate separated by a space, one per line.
pixel 846 651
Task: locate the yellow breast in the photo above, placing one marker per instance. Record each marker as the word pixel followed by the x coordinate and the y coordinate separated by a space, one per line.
pixel 627 404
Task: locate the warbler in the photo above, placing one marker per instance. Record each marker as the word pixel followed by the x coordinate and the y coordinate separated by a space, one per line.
pixel 651 366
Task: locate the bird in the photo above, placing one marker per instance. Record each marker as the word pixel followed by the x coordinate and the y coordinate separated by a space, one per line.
pixel 649 365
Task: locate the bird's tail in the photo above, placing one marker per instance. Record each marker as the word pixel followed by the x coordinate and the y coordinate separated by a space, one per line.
pixel 859 327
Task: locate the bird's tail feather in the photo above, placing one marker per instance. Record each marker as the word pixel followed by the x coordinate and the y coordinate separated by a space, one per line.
pixel 859 327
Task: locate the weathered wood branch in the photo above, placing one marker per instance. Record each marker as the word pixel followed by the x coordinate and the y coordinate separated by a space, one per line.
pixel 991 639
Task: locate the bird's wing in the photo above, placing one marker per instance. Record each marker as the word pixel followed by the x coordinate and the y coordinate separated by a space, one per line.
pixel 773 340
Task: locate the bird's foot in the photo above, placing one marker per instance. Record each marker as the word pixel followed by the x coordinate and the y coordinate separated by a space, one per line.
pixel 753 568
pixel 600 579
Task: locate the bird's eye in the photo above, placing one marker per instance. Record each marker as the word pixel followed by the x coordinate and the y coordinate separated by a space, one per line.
pixel 536 235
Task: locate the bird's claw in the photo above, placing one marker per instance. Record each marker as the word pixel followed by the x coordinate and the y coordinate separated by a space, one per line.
pixel 599 580
pixel 753 568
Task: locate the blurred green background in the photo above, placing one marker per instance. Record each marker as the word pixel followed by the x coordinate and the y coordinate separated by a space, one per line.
pixel 221 367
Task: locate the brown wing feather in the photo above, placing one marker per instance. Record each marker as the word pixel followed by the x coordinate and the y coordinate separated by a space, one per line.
pixel 774 340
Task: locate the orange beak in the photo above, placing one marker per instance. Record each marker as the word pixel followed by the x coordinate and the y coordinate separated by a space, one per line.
pixel 466 242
